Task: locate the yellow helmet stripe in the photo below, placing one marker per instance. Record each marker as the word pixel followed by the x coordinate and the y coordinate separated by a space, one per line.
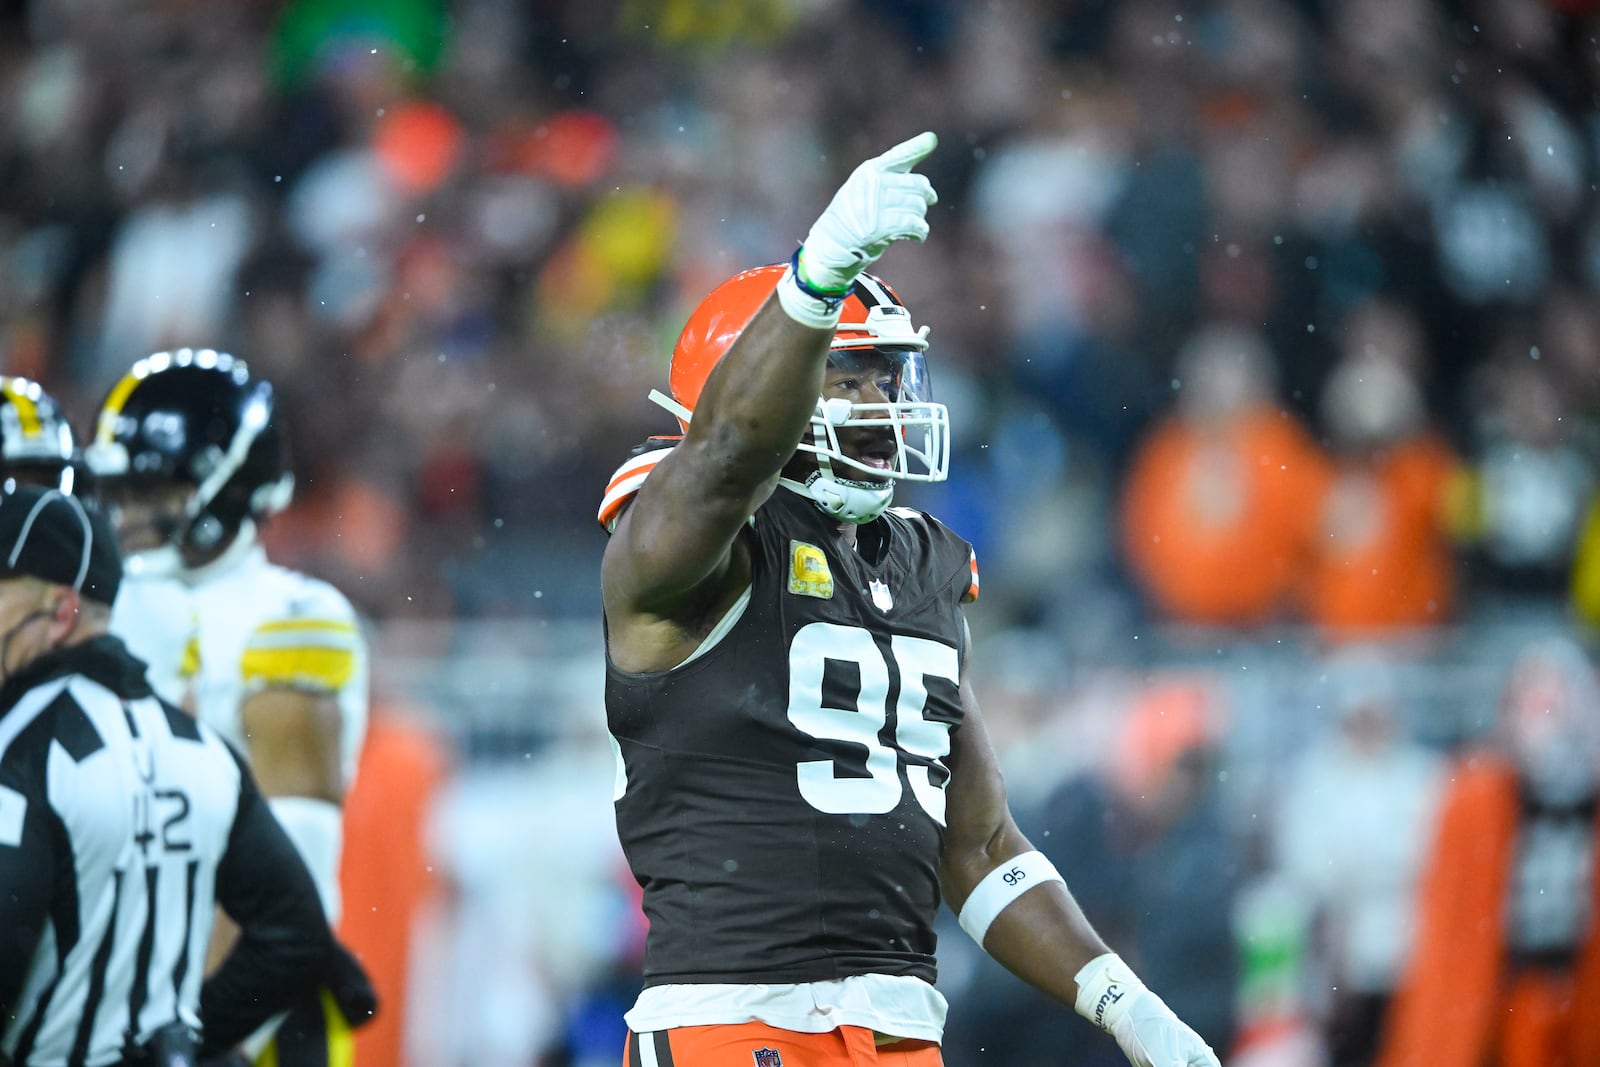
pixel 106 427
pixel 22 403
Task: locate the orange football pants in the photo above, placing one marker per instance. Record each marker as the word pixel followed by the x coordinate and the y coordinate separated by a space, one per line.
pixel 760 1045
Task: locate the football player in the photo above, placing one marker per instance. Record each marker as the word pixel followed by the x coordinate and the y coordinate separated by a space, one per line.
pixel 803 769
pixel 189 458
pixel 36 445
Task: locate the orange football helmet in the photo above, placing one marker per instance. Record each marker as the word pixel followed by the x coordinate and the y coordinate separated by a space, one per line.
pixel 871 318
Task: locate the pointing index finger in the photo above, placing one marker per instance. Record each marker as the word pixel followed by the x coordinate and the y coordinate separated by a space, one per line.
pixel 907 154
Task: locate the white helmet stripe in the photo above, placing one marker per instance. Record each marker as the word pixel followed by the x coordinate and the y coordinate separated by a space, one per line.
pixel 878 293
pixel 253 419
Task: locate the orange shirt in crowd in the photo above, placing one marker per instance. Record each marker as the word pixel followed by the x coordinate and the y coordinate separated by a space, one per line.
pixel 1462 1003
pixel 1216 519
pixel 1383 555
pixel 385 875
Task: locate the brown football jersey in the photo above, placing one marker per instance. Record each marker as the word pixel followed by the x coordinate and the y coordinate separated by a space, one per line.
pixel 784 799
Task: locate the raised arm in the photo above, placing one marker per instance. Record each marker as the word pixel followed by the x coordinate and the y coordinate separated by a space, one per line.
pixel 1018 908
pixel 677 535
pixel 673 559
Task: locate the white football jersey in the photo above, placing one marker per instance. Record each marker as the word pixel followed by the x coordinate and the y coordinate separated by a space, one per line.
pixel 240 625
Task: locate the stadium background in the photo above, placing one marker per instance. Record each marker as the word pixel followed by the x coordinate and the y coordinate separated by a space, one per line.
pixel 460 238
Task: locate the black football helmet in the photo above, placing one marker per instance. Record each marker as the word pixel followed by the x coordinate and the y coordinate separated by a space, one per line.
pixel 195 425
pixel 35 439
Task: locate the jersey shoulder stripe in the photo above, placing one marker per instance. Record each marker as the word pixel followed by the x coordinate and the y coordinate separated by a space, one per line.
pixel 625 483
pixel 306 630
pixel 308 638
pixel 306 653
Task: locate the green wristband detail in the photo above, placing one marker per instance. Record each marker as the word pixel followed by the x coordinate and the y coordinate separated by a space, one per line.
pixel 833 297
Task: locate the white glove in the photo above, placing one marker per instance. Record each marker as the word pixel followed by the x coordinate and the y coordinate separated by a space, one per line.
pixel 1149 1034
pixel 880 203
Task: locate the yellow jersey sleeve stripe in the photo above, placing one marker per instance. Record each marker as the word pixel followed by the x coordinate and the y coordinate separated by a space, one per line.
pixel 300 633
pixel 301 625
pixel 300 666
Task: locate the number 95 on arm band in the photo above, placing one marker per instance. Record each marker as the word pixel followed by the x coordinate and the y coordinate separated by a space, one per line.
pixel 1001 886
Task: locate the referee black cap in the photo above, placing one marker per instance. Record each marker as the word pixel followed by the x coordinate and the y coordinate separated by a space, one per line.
pixel 46 534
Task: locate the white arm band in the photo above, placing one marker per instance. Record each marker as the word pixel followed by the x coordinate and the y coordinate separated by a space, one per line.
pixel 808 309
pixel 1001 886
pixel 317 829
pixel 1103 987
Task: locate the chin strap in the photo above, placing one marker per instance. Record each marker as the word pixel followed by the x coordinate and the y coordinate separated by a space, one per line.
pixel 847 501
pixel 167 561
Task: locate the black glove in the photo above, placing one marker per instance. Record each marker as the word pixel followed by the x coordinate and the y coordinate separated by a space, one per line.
pixel 174 1045
pixel 352 990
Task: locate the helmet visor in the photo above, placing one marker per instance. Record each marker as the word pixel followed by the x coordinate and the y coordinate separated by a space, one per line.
pixel 900 373
pixel 877 417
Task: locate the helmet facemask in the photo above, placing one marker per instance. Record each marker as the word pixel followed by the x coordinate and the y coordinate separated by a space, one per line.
pixel 863 447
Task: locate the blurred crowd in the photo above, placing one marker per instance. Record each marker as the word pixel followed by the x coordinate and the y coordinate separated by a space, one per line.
pixel 1245 309
pixel 1259 321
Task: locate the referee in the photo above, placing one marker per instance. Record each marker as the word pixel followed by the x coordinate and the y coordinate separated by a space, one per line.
pixel 123 822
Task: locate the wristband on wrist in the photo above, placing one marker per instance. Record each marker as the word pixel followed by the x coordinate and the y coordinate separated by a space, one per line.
pixel 1001 886
pixel 805 305
pixel 1104 985
pixel 807 288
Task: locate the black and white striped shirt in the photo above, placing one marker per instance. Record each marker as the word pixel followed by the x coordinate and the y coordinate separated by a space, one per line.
pixel 123 822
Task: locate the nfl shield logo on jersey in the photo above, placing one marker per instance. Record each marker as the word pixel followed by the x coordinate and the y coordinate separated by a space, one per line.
pixel 767 1057
pixel 880 595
